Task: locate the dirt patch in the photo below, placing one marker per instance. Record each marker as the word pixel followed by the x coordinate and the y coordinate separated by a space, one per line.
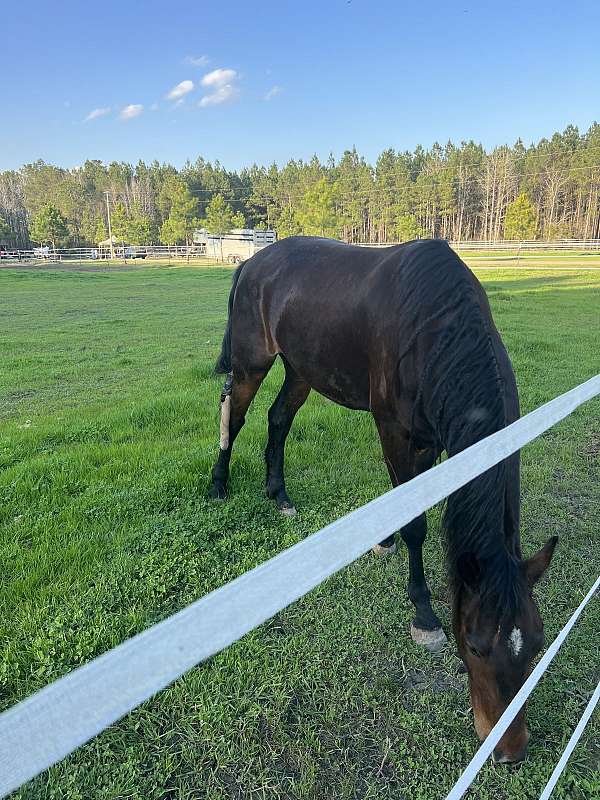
pixel 593 446
pixel 14 397
pixel 73 267
pixel 437 681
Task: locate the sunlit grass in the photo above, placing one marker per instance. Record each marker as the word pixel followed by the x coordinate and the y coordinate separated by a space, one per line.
pixel 108 429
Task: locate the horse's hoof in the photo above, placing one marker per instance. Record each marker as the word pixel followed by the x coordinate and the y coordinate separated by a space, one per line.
pixel 217 492
pixel 434 640
pixel 380 550
pixel 287 510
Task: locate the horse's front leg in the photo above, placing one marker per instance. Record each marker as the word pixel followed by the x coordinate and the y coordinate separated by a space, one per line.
pixel 403 464
pixel 426 628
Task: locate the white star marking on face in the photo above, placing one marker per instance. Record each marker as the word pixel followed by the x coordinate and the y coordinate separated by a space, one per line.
pixel 515 641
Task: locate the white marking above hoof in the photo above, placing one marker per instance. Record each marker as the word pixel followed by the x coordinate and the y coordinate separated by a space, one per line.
pixel 288 511
pixel 224 426
pixel 434 640
pixel 380 550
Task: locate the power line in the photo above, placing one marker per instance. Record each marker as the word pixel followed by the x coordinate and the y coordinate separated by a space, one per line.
pixel 439 168
pixel 411 183
pixel 375 190
pixel 372 191
pixel 526 155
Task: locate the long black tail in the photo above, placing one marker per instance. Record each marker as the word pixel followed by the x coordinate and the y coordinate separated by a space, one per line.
pixel 223 364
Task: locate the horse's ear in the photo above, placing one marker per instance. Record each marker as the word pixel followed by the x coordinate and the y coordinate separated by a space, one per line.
pixel 537 565
pixel 469 569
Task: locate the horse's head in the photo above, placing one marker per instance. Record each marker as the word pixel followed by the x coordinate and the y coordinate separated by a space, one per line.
pixel 498 647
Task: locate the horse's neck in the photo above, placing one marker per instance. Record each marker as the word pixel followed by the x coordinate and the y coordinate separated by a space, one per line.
pixel 475 514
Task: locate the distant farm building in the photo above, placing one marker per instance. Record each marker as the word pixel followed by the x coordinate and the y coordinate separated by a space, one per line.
pixel 235 246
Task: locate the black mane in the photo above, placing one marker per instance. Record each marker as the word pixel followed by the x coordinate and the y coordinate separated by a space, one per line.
pixel 462 396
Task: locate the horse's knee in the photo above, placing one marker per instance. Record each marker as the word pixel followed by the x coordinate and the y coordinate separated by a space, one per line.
pixel 277 420
pixel 415 532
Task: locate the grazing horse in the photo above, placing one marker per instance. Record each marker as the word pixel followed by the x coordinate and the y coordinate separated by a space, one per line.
pixel 406 333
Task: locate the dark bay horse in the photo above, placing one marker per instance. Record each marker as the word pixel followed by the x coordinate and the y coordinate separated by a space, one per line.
pixel 406 333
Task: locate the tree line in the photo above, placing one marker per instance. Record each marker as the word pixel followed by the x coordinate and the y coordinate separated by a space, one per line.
pixel 549 189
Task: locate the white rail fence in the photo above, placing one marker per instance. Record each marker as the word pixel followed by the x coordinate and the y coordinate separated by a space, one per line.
pixel 50 724
pixel 133 253
pixel 593 245
pixel 587 245
pixel 164 252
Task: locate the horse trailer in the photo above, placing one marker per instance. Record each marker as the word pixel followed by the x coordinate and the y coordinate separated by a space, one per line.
pixel 235 246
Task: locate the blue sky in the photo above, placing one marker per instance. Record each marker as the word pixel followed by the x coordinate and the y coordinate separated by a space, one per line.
pixel 285 80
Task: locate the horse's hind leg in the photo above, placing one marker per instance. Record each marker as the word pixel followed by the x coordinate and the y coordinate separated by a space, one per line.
pixel 291 396
pixel 238 393
pixel 403 464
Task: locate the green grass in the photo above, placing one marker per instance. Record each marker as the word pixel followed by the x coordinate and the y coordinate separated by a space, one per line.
pixel 108 429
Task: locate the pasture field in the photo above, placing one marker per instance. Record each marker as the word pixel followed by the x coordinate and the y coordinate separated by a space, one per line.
pixel 550 261
pixel 108 429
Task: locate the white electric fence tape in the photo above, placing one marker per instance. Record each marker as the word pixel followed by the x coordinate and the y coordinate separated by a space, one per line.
pixel 50 724
pixel 589 709
pixel 497 732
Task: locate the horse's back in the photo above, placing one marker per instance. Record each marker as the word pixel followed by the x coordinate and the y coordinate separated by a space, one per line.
pixel 338 313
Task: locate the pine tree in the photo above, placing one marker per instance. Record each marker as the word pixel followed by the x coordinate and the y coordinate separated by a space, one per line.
pixel 317 215
pixel 520 221
pixel 5 230
pixel 100 234
pixel 49 225
pixel 407 228
pixel 140 229
pixel 182 217
pixel 119 223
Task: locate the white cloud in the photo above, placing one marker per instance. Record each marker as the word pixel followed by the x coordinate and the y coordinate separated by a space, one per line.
pixel 273 92
pixel 180 90
pixel 222 95
pixel 221 82
pixel 219 77
pixel 131 111
pixel 97 112
pixel 197 61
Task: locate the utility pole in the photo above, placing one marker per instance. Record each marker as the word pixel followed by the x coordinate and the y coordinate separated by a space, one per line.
pixel 110 239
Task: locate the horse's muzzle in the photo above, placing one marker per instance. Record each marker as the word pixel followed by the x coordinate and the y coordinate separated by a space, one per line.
pixel 500 756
